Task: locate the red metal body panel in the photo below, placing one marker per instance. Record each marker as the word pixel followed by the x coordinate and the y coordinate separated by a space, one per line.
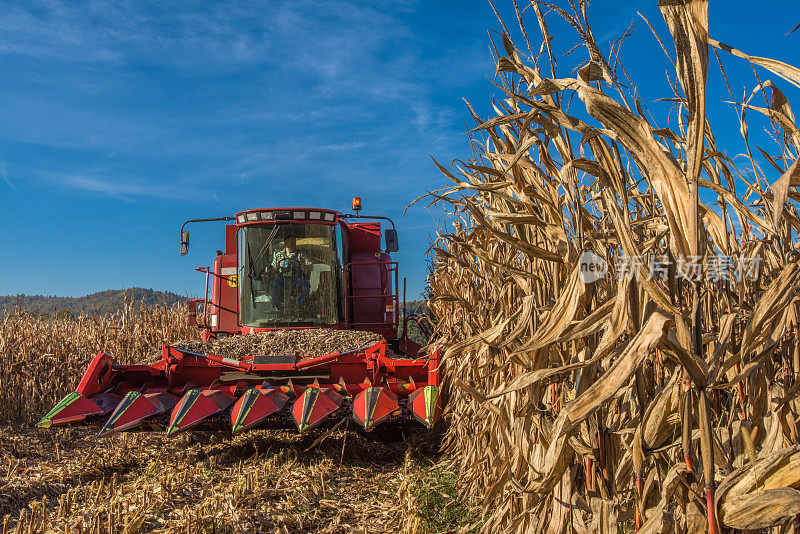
pixel 374 406
pixel 314 407
pixel 255 406
pixel 134 408
pixel 365 237
pixel 224 295
pixel 197 406
pixel 370 289
pixel 230 239
pixel 97 377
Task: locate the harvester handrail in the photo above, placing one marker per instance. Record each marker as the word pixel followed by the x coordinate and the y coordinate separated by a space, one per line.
pixel 208 272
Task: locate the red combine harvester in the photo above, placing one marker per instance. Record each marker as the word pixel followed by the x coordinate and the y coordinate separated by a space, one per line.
pixel 282 269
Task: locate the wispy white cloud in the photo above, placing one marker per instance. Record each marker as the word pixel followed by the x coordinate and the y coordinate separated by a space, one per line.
pixel 106 32
pixel 428 116
pixel 127 189
pixel 4 175
pixel 220 94
pixel 330 39
pixel 339 147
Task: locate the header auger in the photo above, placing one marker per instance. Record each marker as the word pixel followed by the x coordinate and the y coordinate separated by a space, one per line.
pixel 285 272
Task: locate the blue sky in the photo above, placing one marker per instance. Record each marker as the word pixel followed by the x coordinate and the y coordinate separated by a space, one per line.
pixel 120 120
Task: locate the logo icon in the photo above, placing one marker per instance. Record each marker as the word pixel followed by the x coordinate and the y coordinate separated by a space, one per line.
pixel 591 267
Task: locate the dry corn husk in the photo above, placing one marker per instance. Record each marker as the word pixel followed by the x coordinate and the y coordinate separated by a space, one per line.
pixel 760 494
pixel 614 384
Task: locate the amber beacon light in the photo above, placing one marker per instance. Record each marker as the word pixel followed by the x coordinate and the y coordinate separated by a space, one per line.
pixel 356 203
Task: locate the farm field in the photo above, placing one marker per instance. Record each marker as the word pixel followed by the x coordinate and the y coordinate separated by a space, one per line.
pixel 69 480
pixel 262 481
pixel 613 291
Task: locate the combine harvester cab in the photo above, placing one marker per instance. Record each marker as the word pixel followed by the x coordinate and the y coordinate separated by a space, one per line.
pixel 300 273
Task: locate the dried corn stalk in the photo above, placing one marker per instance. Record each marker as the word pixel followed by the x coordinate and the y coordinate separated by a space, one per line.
pixel 576 399
pixel 43 358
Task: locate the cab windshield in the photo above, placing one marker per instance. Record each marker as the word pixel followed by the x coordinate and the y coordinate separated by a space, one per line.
pixel 287 275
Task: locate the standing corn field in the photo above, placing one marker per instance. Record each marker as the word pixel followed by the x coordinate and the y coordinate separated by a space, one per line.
pixel 42 358
pixel 617 300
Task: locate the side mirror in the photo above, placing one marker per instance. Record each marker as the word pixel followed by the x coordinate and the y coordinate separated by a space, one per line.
pixel 391 240
pixel 184 242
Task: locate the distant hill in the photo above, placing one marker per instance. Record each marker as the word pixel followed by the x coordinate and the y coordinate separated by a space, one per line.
pixel 101 303
pixel 111 300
